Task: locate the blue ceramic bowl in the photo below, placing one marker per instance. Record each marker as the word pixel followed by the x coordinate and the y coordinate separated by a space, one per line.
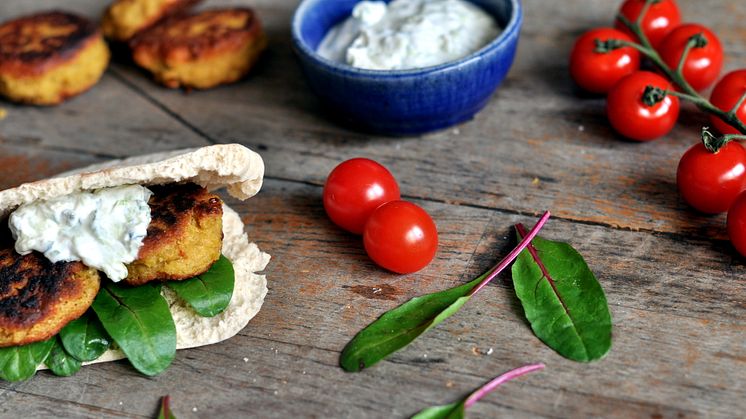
pixel 403 102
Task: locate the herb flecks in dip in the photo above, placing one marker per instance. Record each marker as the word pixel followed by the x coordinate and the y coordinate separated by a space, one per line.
pixel 103 229
pixel 408 34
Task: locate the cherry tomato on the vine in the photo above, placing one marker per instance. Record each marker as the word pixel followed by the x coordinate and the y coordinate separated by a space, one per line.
pixel 659 20
pixel 703 64
pixel 354 189
pixel 725 95
pixel 710 182
pixel 737 223
pixel 401 237
pixel 634 119
pixel 595 71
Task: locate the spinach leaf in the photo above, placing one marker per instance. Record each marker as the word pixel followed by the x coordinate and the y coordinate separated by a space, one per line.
pixel 139 321
pixel 60 362
pixel 400 326
pixel 562 299
pixel 210 293
pixel 457 410
pixel 85 338
pixel 18 363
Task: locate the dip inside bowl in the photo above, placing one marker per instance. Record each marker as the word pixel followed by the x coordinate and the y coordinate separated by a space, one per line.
pixel 403 102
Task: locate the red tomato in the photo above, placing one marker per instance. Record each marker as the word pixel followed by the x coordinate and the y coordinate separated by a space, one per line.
pixel 631 117
pixel 710 182
pixel 401 237
pixel 354 189
pixel 597 72
pixel 725 95
pixel 659 20
pixel 737 223
pixel 703 65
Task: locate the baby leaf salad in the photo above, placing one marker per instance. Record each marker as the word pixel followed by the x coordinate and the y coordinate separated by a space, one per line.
pixel 563 301
pixel 136 320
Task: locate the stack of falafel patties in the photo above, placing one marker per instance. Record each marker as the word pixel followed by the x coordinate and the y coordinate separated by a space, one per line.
pixel 49 57
pixel 182 49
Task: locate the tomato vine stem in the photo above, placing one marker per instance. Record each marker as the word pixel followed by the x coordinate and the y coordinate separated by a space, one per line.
pixel 714 143
pixel 677 76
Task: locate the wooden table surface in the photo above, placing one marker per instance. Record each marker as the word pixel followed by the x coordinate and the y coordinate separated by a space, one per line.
pixel 675 286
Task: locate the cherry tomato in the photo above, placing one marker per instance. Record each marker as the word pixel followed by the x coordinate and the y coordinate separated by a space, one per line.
pixel 725 95
pixel 354 189
pixel 659 20
pixel 703 65
pixel 631 117
pixel 597 72
pixel 710 182
pixel 737 223
pixel 401 237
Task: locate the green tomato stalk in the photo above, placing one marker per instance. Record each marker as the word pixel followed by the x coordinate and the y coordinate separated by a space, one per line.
pixel 654 95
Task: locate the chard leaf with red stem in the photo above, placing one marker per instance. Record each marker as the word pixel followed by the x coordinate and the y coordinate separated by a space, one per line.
pixel 457 410
pixel 400 326
pixel 562 299
pixel 165 411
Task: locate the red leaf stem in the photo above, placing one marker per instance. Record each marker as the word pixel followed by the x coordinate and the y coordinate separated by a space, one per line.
pixel 496 382
pixel 512 255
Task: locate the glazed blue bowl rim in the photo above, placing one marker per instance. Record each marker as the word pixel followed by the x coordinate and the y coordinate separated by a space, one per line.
pixel 513 25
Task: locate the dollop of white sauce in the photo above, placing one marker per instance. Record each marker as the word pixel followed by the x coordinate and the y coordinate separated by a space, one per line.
pixel 407 34
pixel 103 229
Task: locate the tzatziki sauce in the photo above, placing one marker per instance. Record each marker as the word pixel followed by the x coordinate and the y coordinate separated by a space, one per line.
pixel 104 229
pixel 408 34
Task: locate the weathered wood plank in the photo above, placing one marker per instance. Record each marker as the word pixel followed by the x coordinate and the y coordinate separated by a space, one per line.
pixel 537 145
pixel 666 359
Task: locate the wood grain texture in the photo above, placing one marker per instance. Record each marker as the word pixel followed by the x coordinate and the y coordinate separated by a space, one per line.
pixel 675 287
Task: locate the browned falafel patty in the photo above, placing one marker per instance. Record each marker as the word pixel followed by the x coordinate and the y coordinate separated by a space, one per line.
pixel 201 50
pixel 185 234
pixel 48 57
pixel 38 297
pixel 125 18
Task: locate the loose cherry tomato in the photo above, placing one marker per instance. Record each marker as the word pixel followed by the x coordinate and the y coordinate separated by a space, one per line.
pixel 659 20
pixel 354 189
pixel 595 71
pixel 703 65
pixel 725 95
pixel 401 237
pixel 634 119
pixel 710 182
pixel 737 223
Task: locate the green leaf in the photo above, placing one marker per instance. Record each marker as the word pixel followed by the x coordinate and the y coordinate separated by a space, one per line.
pixel 165 411
pixel 85 338
pixel 562 299
pixel 400 326
pixel 449 411
pixel 457 410
pixel 18 363
pixel 60 362
pixel 139 321
pixel 210 293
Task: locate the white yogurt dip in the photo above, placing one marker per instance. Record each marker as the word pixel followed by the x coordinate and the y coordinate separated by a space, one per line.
pixel 103 229
pixel 407 34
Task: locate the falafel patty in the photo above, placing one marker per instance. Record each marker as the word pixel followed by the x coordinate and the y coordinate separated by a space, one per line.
pixel 185 234
pixel 38 297
pixel 48 57
pixel 125 18
pixel 202 50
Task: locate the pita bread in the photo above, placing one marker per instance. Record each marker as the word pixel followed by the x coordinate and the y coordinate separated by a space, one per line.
pixel 233 166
